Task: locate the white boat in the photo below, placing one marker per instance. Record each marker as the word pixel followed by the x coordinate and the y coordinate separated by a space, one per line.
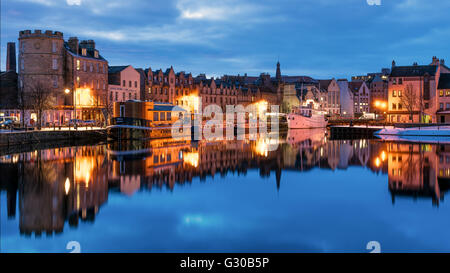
pixel 306 118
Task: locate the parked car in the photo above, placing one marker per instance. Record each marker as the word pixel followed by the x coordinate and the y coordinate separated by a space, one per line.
pixel 9 122
pixel 77 122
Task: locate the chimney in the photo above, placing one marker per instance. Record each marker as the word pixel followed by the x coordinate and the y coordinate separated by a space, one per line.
pixel 73 44
pixel 88 44
pixel 11 57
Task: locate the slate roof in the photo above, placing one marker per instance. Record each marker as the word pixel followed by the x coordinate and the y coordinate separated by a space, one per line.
pixel 413 70
pixel 90 53
pixel 116 69
pixel 444 81
pixel 355 86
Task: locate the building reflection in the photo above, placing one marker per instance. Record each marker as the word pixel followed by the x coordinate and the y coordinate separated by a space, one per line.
pixel 68 185
pixel 418 170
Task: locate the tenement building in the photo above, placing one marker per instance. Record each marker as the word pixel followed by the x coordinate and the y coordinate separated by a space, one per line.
pixel 71 77
pixel 361 97
pixel 413 92
pixel 124 83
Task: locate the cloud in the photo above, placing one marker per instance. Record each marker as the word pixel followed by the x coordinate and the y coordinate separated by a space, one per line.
pixel 73 2
pixel 226 10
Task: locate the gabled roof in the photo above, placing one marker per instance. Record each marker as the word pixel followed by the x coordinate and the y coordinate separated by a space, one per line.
pixel 324 83
pixel 413 70
pixel 116 69
pixel 355 86
pixel 444 81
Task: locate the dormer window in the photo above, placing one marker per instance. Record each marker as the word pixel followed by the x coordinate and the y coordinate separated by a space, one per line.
pixel 96 54
pixel 83 51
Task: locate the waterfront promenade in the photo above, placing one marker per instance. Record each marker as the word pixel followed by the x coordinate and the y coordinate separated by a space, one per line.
pixel 14 137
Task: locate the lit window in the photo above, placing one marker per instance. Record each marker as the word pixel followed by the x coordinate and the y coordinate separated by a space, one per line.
pixel 96 54
pixel 83 51
pixel 78 64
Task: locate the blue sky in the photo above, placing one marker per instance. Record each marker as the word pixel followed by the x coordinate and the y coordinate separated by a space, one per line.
pixel 319 38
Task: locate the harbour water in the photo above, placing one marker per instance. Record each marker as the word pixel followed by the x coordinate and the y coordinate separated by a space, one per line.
pixel 302 193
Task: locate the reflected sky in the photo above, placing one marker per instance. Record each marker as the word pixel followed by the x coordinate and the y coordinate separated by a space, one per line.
pixel 302 197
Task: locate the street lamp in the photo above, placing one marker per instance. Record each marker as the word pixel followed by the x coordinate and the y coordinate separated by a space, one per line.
pixel 67 91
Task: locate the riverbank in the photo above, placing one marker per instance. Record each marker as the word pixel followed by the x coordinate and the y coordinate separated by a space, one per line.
pixel 32 137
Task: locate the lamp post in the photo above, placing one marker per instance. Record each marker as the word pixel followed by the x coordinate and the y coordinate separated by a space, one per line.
pixel 381 105
pixel 67 91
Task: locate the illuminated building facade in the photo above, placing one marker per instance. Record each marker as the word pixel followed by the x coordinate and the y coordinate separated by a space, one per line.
pixel 416 85
pixel 124 83
pixel 74 72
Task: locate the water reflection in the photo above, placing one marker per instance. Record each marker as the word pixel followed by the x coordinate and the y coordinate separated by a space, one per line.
pixel 70 184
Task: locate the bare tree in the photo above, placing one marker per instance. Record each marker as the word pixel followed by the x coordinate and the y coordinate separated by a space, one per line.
pixel 411 100
pixel 39 98
pixel 108 104
pixel 22 103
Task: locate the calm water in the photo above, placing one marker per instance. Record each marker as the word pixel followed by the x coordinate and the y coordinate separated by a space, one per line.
pixel 311 194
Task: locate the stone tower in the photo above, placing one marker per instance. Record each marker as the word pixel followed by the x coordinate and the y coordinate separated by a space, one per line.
pixel 11 57
pixel 41 59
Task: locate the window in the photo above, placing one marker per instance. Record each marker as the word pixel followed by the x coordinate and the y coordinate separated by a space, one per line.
pixel 162 116
pixel 124 83
pixel 394 106
pixel 135 84
pixel 55 81
pixel 83 51
pixel 447 93
pixel 129 96
pixel 129 83
pixel 117 96
pixel 155 116
pixel 84 66
pixel 400 80
pixel 399 93
pixel 123 96
pixel 98 68
pixel 135 96
pixel 394 93
pixel 54 45
pixel 149 90
pixel 22 64
pixel 169 116
pixel 441 106
pixel 91 67
pixel 96 54
pixel 427 105
pixel 399 106
pixel 447 106
pixel 441 93
pixel 78 81
pixel 111 96
pixel 55 64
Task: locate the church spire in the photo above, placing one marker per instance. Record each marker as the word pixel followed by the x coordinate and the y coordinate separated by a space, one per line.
pixel 278 75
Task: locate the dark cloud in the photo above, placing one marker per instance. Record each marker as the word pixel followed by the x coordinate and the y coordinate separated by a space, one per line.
pixel 317 37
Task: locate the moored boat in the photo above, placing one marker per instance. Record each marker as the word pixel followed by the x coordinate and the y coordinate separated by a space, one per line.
pixel 306 118
pixel 143 120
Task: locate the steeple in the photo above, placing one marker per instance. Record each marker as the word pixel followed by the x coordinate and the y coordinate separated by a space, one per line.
pixel 278 75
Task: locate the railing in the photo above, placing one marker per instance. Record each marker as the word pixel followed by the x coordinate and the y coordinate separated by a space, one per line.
pixel 420 125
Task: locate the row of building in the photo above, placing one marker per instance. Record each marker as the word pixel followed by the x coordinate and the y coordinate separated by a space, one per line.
pixel 82 85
